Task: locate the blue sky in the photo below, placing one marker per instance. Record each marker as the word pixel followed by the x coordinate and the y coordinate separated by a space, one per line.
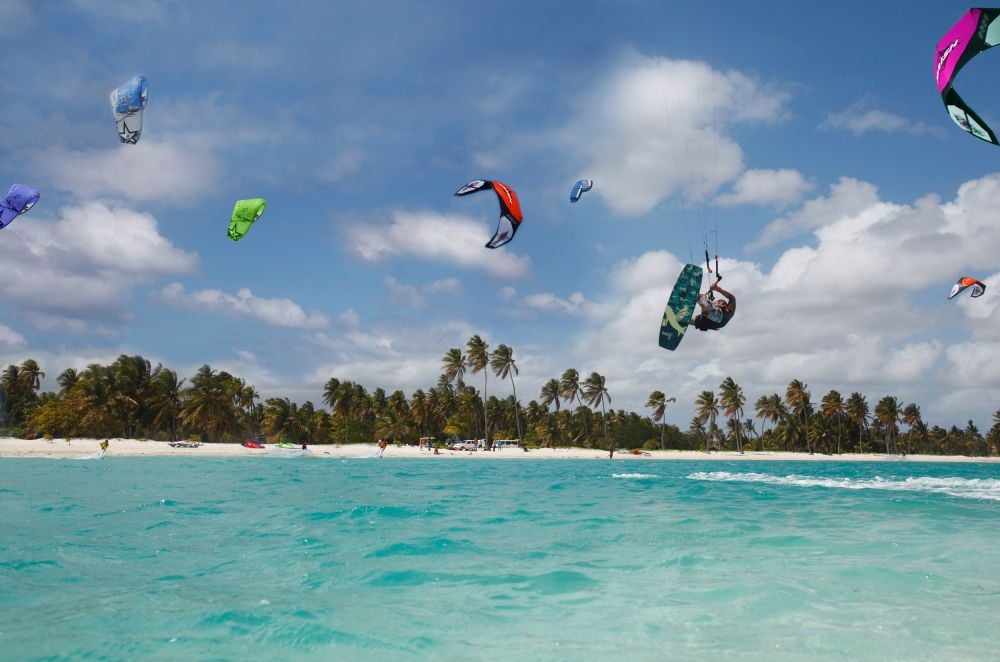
pixel 810 136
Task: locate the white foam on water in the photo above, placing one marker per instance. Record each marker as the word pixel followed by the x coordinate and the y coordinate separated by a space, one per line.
pixel 634 476
pixel 967 488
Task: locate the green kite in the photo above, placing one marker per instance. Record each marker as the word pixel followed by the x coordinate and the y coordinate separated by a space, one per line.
pixel 245 213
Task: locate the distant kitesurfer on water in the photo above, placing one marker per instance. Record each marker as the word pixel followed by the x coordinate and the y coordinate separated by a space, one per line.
pixel 382 443
pixel 104 445
pixel 715 313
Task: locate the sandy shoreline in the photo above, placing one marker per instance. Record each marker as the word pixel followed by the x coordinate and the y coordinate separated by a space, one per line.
pixel 12 447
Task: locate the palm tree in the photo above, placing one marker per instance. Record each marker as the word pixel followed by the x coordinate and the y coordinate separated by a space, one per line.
pixel 570 392
pixel 454 366
pixel 331 391
pixel 392 425
pixel 595 392
pixel 832 407
pixel 993 436
pixel 658 403
pixel 911 418
pixel 887 414
pixel 857 413
pixel 550 393
pixel 749 429
pixel 502 363
pixel 209 405
pixel 166 400
pixel 477 357
pixel 707 410
pixel 67 379
pixel 31 375
pixel 769 408
pixel 245 400
pixel 697 428
pixel 732 400
pixel 797 399
pixel 420 410
pixel 569 386
pixel 281 419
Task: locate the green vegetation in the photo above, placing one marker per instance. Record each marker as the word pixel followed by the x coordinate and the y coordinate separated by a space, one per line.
pixel 132 399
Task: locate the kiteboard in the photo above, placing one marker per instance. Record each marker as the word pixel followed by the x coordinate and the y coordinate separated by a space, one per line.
pixel 680 307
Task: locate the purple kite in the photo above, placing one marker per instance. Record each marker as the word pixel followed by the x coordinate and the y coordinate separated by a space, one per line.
pixel 20 198
pixel 974 33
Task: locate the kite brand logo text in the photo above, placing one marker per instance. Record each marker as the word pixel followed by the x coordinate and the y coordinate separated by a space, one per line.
pixel 944 58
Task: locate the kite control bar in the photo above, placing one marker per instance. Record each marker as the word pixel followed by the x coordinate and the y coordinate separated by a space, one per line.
pixel 718 276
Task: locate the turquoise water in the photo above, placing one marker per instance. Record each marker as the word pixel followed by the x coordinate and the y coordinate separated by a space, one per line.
pixel 365 559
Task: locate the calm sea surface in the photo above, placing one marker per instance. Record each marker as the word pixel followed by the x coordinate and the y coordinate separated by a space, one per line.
pixel 392 559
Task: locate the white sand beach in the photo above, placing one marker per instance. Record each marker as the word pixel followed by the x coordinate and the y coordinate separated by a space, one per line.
pixel 59 448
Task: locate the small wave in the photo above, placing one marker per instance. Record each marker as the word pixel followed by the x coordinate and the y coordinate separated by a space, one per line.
pixel 967 488
pixel 99 455
pixel 634 476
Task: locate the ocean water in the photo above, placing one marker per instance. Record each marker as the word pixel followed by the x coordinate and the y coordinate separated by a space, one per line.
pixel 301 558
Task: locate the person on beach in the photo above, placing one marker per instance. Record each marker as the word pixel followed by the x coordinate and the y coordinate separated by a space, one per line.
pixel 611 452
pixel 715 314
pixel 104 445
pixel 382 443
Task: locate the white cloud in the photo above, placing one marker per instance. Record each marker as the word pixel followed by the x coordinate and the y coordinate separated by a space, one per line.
pixel 427 235
pixel 574 304
pixel 445 286
pixel 858 118
pixel 10 339
pixel 83 265
pixel 61 324
pixel 404 293
pixel 415 296
pixel 348 160
pixel 766 187
pixel 390 355
pixel 656 127
pixel 349 318
pixel 548 301
pixel 273 312
pixel 149 170
pixel 848 197
pixel 974 363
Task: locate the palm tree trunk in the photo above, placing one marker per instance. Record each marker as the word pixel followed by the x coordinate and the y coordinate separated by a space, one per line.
pixel 486 421
pixel 517 419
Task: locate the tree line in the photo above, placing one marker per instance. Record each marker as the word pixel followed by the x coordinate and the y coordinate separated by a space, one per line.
pixel 130 398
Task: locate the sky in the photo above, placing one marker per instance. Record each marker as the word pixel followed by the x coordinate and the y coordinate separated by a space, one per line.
pixel 805 143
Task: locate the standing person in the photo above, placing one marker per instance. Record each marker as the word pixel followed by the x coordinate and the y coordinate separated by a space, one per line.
pixel 611 451
pixel 382 443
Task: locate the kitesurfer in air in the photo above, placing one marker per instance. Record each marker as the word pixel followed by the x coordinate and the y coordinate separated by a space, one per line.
pixel 715 313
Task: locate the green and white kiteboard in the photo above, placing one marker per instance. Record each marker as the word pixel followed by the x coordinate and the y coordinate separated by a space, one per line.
pixel 680 307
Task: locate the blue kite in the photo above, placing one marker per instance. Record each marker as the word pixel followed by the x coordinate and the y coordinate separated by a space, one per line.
pixel 127 102
pixel 20 198
pixel 580 188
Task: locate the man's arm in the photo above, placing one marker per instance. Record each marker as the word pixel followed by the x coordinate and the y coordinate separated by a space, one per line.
pixel 731 303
